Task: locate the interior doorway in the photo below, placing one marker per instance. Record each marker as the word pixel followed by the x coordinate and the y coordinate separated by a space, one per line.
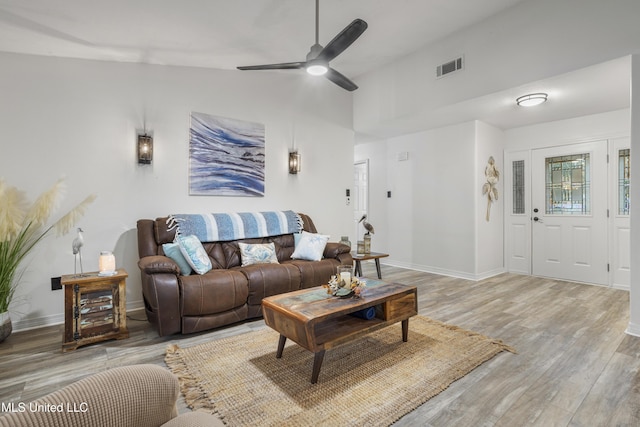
pixel 360 194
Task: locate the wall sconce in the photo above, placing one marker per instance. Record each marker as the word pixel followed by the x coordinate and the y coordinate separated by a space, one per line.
pixel 145 149
pixel 294 162
pixel 531 99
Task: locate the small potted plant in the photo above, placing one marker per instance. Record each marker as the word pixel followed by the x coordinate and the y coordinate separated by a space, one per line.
pixel 22 226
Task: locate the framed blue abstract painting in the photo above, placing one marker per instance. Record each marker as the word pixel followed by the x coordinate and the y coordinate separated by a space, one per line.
pixel 226 157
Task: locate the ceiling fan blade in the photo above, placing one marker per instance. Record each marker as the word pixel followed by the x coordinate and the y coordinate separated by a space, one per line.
pixel 283 66
pixel 341 80
pixel 343 40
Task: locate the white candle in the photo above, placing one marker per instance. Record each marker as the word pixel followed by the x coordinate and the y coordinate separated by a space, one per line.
pixel 347 279
pixel 107 264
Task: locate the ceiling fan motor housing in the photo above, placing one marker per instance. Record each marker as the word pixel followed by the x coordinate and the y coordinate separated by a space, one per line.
pixel 314 51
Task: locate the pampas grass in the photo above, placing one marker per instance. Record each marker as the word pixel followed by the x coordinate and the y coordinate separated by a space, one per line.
pixel 22 226
pixel 64 224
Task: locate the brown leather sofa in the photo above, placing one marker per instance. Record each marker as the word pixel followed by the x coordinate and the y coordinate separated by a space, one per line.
pixel 228 293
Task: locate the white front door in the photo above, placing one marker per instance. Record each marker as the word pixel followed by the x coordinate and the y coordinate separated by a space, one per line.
pixel 569 212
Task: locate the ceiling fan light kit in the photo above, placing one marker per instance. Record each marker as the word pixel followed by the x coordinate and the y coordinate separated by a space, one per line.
pixel 318 58
pixel 531 99
pixel 317 67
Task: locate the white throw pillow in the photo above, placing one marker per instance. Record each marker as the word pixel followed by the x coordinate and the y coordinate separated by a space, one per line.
pixel 195 254
pixel 310 247
pixel 258 253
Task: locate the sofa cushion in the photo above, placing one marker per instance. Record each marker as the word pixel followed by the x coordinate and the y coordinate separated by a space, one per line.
pixel 259 253
pixel 214 292
pixel 172 250
pixel 194 253
pixel 310 247
pixel 270 279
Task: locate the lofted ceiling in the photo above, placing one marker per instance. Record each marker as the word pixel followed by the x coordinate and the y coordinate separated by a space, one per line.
pixel 224 34
pixel 228 33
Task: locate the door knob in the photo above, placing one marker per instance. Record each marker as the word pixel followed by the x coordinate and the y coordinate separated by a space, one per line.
pixel 536 219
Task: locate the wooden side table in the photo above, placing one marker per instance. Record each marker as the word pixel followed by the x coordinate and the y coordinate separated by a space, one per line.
pixel 94 308
pixel 364 257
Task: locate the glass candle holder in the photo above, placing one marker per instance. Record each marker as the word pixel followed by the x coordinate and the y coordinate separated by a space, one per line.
pixel 344 275
pixel 106 264
pixel 367 244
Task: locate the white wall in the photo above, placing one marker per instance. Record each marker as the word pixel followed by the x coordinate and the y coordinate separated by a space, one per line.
pixel 613 124
pixel 434 211
pixel 76 118
pixel 504 51
pixel 634 294
pixel 489 234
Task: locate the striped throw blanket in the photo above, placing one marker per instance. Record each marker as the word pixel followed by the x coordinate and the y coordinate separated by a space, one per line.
pixel 221 227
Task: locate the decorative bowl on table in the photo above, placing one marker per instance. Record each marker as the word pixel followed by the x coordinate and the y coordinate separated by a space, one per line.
pixel 345 289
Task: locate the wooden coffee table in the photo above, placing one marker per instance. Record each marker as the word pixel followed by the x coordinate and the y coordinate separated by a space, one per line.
pixel 318 321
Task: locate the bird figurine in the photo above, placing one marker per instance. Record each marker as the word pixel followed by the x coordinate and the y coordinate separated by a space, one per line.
pixel 76 246
pixel 367 225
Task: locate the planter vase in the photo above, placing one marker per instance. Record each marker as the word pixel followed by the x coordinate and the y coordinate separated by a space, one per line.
pixel 5 326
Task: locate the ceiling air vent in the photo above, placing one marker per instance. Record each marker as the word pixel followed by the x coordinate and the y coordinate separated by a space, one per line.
pixel 449 67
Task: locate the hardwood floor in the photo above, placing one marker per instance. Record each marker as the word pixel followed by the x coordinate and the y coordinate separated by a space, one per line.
pixel 575 365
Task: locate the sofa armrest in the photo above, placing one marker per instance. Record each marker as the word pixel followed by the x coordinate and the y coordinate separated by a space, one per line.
pixel 137 395
pixel 161 293
pixel 158 264
pixel 345 258
pixel 335 249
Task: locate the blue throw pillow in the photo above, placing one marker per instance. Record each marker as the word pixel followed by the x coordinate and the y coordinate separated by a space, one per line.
pixel 310 247
pixel 194 253
pixel 172 250
pixel 258 253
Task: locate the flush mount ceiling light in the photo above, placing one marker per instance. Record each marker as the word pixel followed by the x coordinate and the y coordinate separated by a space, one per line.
pixel 531 99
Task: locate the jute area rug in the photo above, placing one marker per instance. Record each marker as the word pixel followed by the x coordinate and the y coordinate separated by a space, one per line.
pixel 372 381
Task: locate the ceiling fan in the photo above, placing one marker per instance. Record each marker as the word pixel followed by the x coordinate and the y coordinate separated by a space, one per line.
pixel 318 58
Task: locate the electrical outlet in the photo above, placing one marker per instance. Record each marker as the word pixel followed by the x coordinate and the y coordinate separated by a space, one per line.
pixel 56 283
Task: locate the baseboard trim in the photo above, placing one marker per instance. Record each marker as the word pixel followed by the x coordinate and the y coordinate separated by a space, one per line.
pixel 633 329
pixel 58 319
pixel 37 322
pixel 444 272
pixel 621 287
